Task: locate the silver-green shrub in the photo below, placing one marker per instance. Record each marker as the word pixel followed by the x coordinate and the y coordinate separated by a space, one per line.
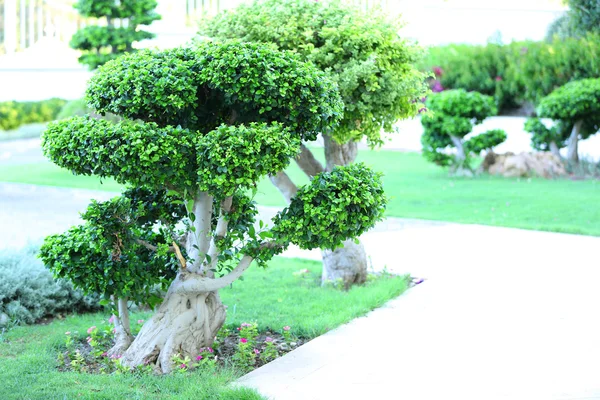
pixel 28 292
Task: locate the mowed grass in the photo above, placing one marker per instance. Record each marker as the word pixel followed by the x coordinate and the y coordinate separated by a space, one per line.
pixel 273 298
pixel 421 190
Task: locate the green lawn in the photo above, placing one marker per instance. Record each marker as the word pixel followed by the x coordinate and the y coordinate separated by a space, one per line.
pixel 421 190
pixel 273 298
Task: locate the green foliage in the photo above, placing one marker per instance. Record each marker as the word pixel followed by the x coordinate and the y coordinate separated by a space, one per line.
pixel 104 256
pixel 333 207
pixel 28 292
pixel 101 44
pixel 582 17
pixel 453 113
pixel 361 51
pixel 139 153
pixel 477 68
pixel 232 157
pixel 485 141
pixel 14 114
pixel 542 136
pixel 214 84
pixel 516 72
pixel 577 100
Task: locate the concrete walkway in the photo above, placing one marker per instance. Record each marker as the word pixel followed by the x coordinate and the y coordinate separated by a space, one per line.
pixel 503 313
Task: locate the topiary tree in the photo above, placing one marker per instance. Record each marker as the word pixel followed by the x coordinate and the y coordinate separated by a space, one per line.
pixel 100 44
pixel 576 106
pixel 372 65
pixel 200 128
pixel 547 139
pixel 452 117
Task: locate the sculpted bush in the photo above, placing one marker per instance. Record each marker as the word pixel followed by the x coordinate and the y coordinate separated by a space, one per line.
pixel 200 128
pixel 372 65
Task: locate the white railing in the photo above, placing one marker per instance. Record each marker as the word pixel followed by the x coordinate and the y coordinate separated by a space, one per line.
pixel 24 22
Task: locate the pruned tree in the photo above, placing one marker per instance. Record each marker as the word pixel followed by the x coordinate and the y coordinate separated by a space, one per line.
pixel 452 115
pixel 576 109
pixel 372 65
pixel 119 29
pixel 200 128
pixel 547 139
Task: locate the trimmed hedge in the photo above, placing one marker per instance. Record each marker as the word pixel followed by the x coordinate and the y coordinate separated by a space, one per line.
pixel 14 114
pixel 28 292
pixel 515 73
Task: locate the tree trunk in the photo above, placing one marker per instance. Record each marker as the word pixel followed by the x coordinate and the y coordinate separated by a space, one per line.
pixel 348 263
pixel 554 149
pixel 572 152
pixel 123 337
pixel 186 321
pixel 285 185
pixel 461 168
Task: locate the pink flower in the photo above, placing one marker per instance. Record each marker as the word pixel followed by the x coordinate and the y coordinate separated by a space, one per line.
pixel 182 366
pixel 91 329
pixel 210 350
pixel 256 351
pixel 105 354
pixel 67 333
pixel 268 339
pixel 140 321
pixel 89 339
pixel 198 358
pixel 438 71
pixel 114 330
pixel 286 328
pixel 245 325
pixel 111 320
pixel 244 340
pixel 498 78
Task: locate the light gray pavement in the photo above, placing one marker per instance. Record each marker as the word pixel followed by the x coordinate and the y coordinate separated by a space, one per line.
pixel 503 314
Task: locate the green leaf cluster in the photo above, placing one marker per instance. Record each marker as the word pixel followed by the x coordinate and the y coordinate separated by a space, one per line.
pixel 14 113
pixel 333 207
pixel 103 256
pixel 102 43
pixel 517 72
pixel 361 51
pixel 485 141
pixel 216 84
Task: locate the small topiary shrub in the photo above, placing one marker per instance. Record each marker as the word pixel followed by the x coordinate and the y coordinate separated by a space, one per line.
pixel 453 113
pixel 28 292
pixel 100 44
pixel 577 106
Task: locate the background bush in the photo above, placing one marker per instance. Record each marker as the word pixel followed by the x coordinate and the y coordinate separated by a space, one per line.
pixel 14 114
pixel 518 72
pixel 28 292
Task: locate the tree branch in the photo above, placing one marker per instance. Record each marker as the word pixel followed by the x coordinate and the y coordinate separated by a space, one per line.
pixel 285 185
pixel 308 163
pixel 200 237
pixel 150 246
pixel 220 231
pixel 199 285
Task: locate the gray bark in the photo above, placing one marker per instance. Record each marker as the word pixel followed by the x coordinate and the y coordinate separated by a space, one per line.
pixel 123 337
pixel 308 163
pixel 348 263
pixel 198 241
pixel 572 152
pixel 285 185
pixel 339 154
pixel 460 168
pixel 554 149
